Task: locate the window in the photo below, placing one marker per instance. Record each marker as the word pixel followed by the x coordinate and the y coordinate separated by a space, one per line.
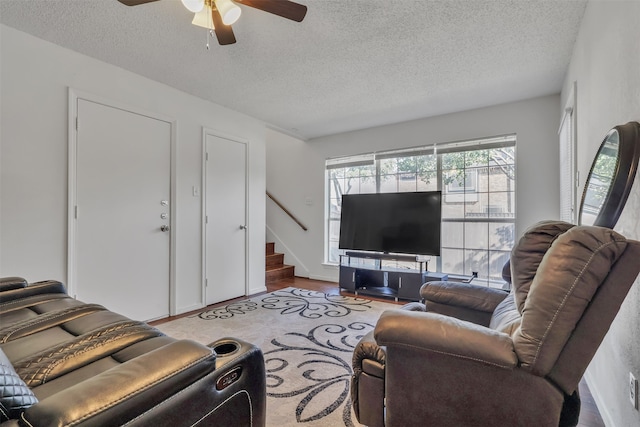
pixel 477 180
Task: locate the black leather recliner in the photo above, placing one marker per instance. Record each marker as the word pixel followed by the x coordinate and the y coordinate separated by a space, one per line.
pixel 64 362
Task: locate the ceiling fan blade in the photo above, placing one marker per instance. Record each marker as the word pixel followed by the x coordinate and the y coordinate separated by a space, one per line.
pixel 285 8
pixel 224 33
pixel 135 2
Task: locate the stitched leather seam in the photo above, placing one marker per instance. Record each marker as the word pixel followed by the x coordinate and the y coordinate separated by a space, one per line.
pixel 224 402
pixel 174 396
pixel 566 297
pixel 114 327
pixel 554 237
pixel 102 342
pixel 140 390
pixel 25 420
pixel 46 318
pixel 27 363
pixel 4 414
pixel 451 354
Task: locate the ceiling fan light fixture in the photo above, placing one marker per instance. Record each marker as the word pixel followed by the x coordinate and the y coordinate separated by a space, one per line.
pixel 194 6
pixel 229 11
pixel 224 13
pixel 203 19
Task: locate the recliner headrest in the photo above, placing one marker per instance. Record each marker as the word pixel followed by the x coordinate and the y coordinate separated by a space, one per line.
pixel 527 255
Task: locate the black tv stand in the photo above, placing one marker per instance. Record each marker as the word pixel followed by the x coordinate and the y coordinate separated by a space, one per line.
pixel 381 281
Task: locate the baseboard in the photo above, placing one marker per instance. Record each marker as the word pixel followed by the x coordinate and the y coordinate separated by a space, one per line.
pixel 604 413
pixel 323 278
pixel 192 307
pixel 257 290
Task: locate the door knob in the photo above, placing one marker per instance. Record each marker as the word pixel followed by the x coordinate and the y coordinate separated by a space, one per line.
pixel 164 228
pixel 243 227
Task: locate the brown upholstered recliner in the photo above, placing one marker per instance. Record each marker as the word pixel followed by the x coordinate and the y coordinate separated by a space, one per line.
pixel 476 356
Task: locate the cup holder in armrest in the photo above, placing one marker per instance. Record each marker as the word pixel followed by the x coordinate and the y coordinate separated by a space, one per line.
pixel 225 347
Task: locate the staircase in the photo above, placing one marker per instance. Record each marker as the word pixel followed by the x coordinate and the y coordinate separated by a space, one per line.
pixel 276 270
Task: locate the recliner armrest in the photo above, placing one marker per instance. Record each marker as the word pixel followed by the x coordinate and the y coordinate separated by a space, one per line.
pixel 462 300
pixel 433 332
pixel 461 294
pixel 368 349
pixel 367 381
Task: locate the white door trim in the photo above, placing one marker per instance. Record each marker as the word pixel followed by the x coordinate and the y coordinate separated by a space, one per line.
pixel 208 131
pixel 74 96
pixel 569 114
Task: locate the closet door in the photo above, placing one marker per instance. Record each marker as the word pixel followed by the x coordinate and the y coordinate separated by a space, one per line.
pixel 226 218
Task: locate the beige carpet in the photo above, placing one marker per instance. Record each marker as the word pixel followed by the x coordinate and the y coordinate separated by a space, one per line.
pixel 307 339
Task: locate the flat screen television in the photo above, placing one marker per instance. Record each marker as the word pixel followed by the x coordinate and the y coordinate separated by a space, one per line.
pixel 404 223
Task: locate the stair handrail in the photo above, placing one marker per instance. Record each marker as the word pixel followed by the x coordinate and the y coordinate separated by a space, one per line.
pixel 286 211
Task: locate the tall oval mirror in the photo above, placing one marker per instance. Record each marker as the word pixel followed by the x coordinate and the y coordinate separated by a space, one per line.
pixel 611 176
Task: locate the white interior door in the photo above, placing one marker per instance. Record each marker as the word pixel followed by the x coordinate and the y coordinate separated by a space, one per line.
pixel 225 210
pixel 122 196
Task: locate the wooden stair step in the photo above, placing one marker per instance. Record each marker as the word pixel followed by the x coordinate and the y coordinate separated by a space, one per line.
pixel 275 273
pixel 275 269
pixel 274 259
pixel 271 248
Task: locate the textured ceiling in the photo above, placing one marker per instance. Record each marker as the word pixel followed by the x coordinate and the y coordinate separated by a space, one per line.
pixel 351 64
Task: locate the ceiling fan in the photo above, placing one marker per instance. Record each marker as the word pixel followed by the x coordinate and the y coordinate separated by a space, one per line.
pixel 218 15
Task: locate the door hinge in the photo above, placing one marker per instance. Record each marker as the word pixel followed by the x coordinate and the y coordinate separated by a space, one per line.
pixel 76 122
pixel 577 179
pixel 207 156
pixel 75 211
pixel 206 283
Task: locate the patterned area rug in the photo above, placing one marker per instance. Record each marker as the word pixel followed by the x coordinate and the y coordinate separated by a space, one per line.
pixel 307 338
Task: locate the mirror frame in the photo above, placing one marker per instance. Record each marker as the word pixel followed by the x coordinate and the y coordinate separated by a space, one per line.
pixel 623 176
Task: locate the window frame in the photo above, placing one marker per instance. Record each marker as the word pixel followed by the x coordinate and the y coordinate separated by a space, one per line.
pixel 439 150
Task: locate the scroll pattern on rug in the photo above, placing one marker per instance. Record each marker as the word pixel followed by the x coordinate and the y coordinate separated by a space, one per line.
pixel 305 303
pixel 307 338
pixel 312 304
pixel 323 377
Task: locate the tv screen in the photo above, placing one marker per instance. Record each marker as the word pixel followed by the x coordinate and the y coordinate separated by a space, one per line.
pixel 406 223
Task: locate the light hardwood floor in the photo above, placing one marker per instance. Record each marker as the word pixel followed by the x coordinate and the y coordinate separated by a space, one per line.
pixel 589 414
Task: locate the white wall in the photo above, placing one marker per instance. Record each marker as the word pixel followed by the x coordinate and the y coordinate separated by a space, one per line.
pixel 295 169
pixel 35 76
pixel 606 68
